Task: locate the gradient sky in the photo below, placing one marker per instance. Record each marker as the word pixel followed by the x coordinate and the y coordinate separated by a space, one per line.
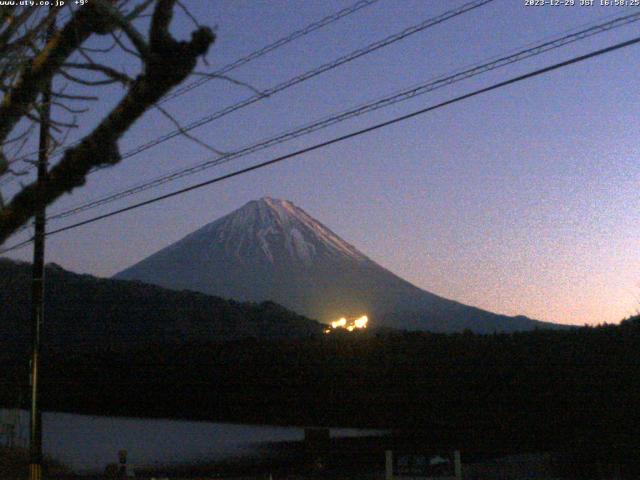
pixel 520 201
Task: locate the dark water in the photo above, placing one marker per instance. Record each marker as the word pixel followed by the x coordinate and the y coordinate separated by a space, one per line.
pixel 88 443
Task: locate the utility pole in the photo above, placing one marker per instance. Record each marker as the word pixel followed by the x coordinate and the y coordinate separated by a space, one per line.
pixel 37 290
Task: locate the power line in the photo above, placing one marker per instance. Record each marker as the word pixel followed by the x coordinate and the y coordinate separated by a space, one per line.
pixel 356 133
pixel 430 22
pixel 406 94
pixel 17 246
pixel 310 74
pixel 272 46
pixel 312 27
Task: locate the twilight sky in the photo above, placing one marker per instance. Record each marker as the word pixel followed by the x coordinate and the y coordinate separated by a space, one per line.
pixel 520 201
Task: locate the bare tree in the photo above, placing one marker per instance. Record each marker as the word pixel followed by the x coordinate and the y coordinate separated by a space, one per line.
pixel 27 65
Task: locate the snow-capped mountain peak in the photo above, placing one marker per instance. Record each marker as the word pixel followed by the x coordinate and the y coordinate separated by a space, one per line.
pixel 275 228
pixel 270 249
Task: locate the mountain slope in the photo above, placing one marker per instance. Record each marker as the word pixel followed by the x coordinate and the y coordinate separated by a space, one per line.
pixel 85 310
pixel 269 249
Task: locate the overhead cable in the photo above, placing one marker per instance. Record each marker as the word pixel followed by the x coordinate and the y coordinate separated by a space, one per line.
pixel 356 133
pixel 406 94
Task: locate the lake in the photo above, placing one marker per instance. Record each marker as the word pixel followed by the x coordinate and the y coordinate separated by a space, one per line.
pixel 87 443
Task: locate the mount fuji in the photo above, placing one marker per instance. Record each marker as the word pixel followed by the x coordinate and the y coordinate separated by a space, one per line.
pixel 270 249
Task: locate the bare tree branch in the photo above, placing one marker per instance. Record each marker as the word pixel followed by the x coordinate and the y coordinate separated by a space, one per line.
pixel 125 25
pixel 112 73
pixel 17 102
pixel 68 109
pixel 138 10
pixel 81 98
pixel 188 14
pixel 85 82
pixel 235 81
pixel 124 48
pixel 167 62
pixel 187 134
pixel 22 135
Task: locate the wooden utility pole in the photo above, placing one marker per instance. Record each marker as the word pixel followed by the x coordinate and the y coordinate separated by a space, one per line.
pixel 37 290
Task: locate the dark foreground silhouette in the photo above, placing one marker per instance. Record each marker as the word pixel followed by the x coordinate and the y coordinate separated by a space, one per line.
pixel 575 392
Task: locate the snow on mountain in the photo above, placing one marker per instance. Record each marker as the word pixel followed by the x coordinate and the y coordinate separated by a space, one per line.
pixel 270 249
pixel 271 225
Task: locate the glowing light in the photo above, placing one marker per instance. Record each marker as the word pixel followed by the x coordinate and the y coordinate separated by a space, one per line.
pixel 361 322
pixel 350 326
pixel 339 323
